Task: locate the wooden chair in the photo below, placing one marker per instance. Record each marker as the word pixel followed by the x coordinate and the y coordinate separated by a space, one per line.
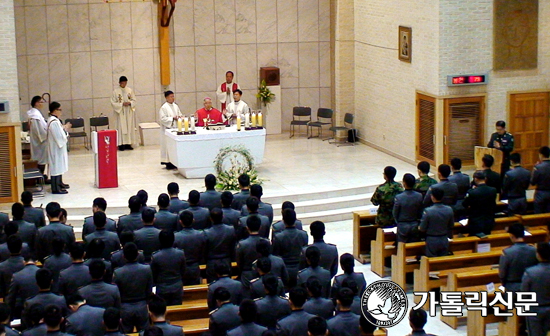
pixel 364 232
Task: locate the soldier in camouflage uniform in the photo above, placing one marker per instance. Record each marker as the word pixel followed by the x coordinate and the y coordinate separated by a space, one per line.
pixel 384 197
pixel 423 182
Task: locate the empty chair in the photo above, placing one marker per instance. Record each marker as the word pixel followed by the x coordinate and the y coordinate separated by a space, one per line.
pixel 74 133
pixel 348 125
pixel 324 117
pixel 96 122
pixel 31 172
pixel 301 116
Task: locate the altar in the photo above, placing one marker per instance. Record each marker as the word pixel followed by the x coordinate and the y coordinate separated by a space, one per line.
pixel 194 154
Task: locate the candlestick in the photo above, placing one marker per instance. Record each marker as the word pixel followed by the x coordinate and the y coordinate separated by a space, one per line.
pixel 260 120
pixel 253 119
pixel 247 120
pixel 186 124
pixel 179 125
pixel 192 124
pixel 238 122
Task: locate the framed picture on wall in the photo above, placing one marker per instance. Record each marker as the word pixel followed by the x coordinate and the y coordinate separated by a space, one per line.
pixel 405 44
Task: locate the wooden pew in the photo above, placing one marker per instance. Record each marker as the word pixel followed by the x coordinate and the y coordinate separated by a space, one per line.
pixel 477 324
pixel 189 310
pixel 193 327
pixel 364 231
pixel 536 221
pixel 195 292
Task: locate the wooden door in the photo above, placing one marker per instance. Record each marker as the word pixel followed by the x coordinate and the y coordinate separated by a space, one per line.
pixel 464 120
pixel 8 168
pixel 425 128
pixel 528 123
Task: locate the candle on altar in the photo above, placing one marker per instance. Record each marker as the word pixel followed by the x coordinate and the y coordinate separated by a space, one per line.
pixel 192 123
pixel 238 122
pixel 260 119
pixel 247 120
pixel 253 119
pixel 186 124
pixel 179 125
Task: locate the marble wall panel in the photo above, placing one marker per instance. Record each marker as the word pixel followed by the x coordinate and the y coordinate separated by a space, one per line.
pixel 121 22
pixel 266 30
pixel 39 79
pixel 187 102
pixel 20 31
pixel 23 80
pixel 226 60
pixel 18 3
pixel 123 65
pixel 325 99
pixel 82 108
pixel 287 20
pixel 324 20
pixel 55 2
pixel 73 2
pixel 35 19
pixel 103 106
pixel 156 71
pixel 247 68
pixel 102 79
pixel 142 24
pixel 290 98
pixel 35 2
pixel 183 22
pixel 79 28
pixel 308 21
pixel 249 96
pixel 246 21
pixel 60 76
pixel 205 58
pixel 66 107
pixel 288 64
pixel 224 17
pixel 310 97
pixel 57 28
pixel 267 55
pixel 184 63
pixel 100 27
pixel 204 27
pixel 308 64
pixel 81 79
pixel 144 75
pixel 324 64
pixel 146 110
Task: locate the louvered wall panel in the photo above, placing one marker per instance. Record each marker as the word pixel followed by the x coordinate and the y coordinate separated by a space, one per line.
pixel 464 130
pixel 426 128
pixel 6 178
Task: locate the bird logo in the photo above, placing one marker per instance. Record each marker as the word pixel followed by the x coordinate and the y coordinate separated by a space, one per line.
pixel 390 308
pixel 384 303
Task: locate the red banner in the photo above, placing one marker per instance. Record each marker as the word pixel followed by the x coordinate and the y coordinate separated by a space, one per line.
pixel 107 159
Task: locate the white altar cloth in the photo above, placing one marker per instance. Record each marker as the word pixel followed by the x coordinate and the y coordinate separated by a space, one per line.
pixel 194 154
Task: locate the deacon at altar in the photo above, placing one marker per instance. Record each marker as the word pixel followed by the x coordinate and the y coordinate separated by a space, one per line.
pixel 209 113
pixel 236 107
pixel 169 114
pixel 38 129
pixel 57 149
pixel 225 90
pixel 124 105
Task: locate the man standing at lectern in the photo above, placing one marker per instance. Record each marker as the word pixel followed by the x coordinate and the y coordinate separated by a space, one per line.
pixel 225 90
pixel 504 142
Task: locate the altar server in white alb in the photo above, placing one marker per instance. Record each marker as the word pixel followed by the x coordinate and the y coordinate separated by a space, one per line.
pixel 225 90
pixel 57 149
pixel 38 131
pixel 124 105
pixel 236 107
pixel 169 114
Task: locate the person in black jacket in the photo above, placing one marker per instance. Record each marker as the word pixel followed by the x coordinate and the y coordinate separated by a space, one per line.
pixel 480 203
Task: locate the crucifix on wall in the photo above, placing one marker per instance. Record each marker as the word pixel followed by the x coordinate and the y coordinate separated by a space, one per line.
pixel 165 16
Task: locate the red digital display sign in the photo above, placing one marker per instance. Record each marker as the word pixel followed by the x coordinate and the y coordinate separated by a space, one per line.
pixel 467 80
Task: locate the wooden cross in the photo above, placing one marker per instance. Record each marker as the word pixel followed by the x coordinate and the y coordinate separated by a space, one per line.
pixel 165 15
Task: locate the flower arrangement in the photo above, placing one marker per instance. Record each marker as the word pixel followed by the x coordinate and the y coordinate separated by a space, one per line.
pixel 240 162
pixel 264 94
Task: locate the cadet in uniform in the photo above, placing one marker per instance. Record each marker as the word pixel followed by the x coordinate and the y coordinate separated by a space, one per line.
pixel 264 209
pixel 11 229
pixel 176 204
pixel 111 321
pixel 313 255
pixel 504 142
pixel 99 204
pixel 84 319
pixel 147 238
pixel 345 323
pixel 407 211
pixel 58 261
pixel 437 221
pixel 112 243
pixel 541 179
pixel 417 320
pixel 516 182
pixel 248 313
pixel 278 267
pixel 317 326
pixel 76 275
pixel 210 198
pixel 192 243
pixel 168 267
pixel 226 316
pixel 157 312
pixel 317 304
pixel 117 257
pixel 492 178
pixel 32 214
pixel 99 293
pixel 245 252
pixel 220 243
pixel 329 252
pixel 12 265
pixel 38 327
pixel 95 252
pixel 201 215
pixel 295 324
pixel 480 203
pixel 239 199
pixel 450 189
pixel 280 225
pixel 223 271
pixel 257 290
pixel 535 279
pixel 47 233
pixel 23 286
pixel 164 219
pixel 424 181
pixel 516 259
pixel 384 197
pixel 132 221
pixel 4 218
pixel 271 308
pixel 252 204
pixel 27 231
pixel 230 215
pixel 53 316
pixel 135 282
pixel 44 297
pixel 462 182
pixel 5 321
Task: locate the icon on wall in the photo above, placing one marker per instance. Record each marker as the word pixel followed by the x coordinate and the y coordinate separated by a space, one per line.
pixel 405 44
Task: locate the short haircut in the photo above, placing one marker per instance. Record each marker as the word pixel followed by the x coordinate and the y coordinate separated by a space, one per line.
pixel 58 245
pixel 438 193
pixel 317 326
pixel 544 151
pixel 456 163
pixel 264 264
pixel 153 331
pixel 77 250
pixel 444 170
pixel 517 230
pixel 314 286
pixel 351 284
pixel 194 197
pixel 173 188
pixel 222 294
pixel 14 244
pixel 35 99
pixel 230 72
pixel 298 296
pixel 17 210
pixel 488 160
pixel 186 218
pixel 166 239
pixel 418 318
pixel 347 262
pixel 26 197
pixel 480 175
pixel 5 311
pixel 43 278
pixel 126 236
pixel 143 196
pixel 216 215
pixel 227 199
pixel 409 180
pixel 97 269
pixel 74 299
pixel 289 217
pixel 122 79
pixel 148 215
pixel 252 203
pixel 500 123
pixel 167 93
pixel 222 268
pixel 134 204
pixel 53 209
pixel 248 311
pixel 423 166
pixel 253 223
pixel 543 249
pixel 210 181
pixel 239 91
pixel 244 180
pixel 271 284
pixel 163 201
pixel 263 247
pixel 317 229
pixel 256 190
pixel 11 228
pixel 390 172
pixel 364 323
pixel 95 248
pixel 63 213
pixel 54 106
pixel 36 313
pixel 313 256
pixel 345 296
pixel 111 318
pixel 287 205
pixel 101 203
pixel 52 315
pixel 515 157
pixel 157 305
pixel 130 251
pixel 100 219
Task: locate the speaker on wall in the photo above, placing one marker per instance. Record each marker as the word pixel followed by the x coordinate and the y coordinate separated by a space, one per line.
pixel 271 75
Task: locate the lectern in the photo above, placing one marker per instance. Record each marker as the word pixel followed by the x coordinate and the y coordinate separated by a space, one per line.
pixel 104 145
pixel 479 152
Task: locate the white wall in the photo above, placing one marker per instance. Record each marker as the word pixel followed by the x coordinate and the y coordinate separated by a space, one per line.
pixel 8 63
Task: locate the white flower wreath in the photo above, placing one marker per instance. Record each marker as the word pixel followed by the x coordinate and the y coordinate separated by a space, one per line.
pixel 242 162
